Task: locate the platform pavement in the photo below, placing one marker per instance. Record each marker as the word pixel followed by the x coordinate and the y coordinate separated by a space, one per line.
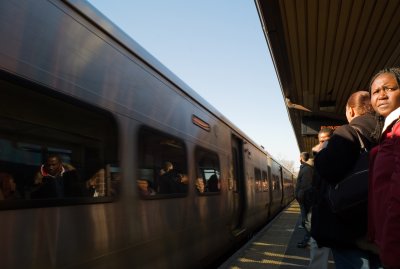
pixel 275 246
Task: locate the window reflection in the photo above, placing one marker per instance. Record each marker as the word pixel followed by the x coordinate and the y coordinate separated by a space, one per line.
pixel 44 156
pixel 162 164
pixel 208 171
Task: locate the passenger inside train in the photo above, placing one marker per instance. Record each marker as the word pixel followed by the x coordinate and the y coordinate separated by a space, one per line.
pixel 144 188
pixel 94 183
pixel 200 185
pixel 56 179
pixel 170 181
pixel 213 183
pixel 208 172
pixel 8 188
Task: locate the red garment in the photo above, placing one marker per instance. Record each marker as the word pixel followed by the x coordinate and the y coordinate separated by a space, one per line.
pixel 384 196
pixel 44 173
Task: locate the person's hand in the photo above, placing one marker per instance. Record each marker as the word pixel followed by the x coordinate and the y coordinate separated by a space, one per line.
pixel 183 179
pixel 317 147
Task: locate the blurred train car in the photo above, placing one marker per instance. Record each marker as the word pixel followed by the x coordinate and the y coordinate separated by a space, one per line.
pixel 74 85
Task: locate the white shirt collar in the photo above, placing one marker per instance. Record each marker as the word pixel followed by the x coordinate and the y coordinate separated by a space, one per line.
pixel 393 116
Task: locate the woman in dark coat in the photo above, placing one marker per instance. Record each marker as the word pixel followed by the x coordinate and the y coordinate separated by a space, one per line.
pixel 332 164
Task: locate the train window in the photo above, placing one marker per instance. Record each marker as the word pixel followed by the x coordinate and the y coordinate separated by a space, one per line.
pixel 54 149
pixel 257 176
pixel 162 165
pixel 208 173
pixel 264 182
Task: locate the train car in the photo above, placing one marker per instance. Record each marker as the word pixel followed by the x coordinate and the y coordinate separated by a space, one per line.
pixel 108 160
pixel 288 186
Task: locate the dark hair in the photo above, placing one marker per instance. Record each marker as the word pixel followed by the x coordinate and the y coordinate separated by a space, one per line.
pixel 326 130
pixel 361 102
pixel 54 155
pixel 376 134
pixel 305 156
pixel 395 71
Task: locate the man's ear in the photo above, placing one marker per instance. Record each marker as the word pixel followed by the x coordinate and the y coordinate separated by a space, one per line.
pixel 352 112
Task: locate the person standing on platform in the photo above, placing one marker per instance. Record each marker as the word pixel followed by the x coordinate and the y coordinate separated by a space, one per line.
pixel 318 255
pixel 323 135
pixel 303 186
pixel 384 170
pixel 345 233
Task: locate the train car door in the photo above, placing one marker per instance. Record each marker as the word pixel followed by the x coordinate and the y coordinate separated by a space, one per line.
pixel 282 182
pixel 238 185
pixel 276 188
pixel 271 195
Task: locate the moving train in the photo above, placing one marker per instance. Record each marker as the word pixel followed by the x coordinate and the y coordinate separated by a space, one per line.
pixel 75 86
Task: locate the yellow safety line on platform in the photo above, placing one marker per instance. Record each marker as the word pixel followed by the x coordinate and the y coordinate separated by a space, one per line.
pixel 270 247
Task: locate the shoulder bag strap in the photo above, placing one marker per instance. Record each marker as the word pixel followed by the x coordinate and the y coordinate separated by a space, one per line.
pixel 363 148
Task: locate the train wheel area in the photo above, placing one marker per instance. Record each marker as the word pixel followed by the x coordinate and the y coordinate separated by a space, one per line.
pixel 275 246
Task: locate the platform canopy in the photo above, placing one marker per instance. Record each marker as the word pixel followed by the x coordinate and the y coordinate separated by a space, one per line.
pixel 324 50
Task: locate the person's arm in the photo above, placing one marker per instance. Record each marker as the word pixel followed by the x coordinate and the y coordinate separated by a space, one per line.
pixel 317 148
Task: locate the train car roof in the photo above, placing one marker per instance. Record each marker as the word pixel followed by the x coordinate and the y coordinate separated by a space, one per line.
pixel 325 50
pixel 113 31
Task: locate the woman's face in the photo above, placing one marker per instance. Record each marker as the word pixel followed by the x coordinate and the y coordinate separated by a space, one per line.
pixel 385 94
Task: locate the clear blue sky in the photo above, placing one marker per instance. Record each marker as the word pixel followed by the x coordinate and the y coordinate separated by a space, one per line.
pixel 218 48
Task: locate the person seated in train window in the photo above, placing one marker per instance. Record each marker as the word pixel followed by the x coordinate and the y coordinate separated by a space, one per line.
pixel 200 186
pixel 265 185
pixel 213 183
pixel 8 187
pixel 93 185
pixel 56 179
pixel 170 181
pixel 144 188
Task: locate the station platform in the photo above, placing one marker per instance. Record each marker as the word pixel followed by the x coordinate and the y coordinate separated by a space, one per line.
pixel 275 246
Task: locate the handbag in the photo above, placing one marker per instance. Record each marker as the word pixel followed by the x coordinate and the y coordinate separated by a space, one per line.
pixel 351 193
pixel 333 230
